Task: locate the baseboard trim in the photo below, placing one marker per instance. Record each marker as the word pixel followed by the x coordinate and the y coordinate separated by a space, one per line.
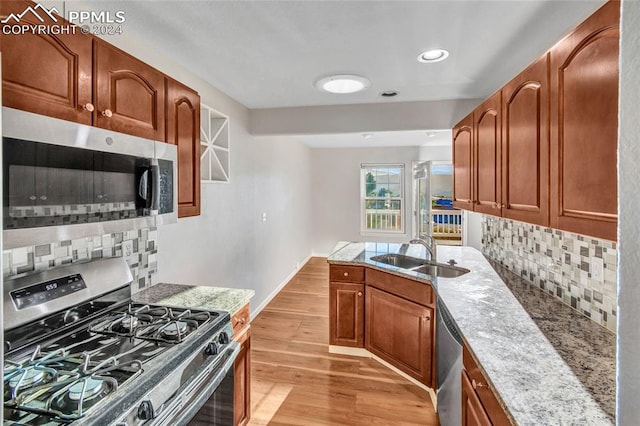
pixel 363 353
pixel 274 293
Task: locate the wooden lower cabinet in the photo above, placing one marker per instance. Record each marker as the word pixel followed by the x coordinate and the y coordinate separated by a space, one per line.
pixel 346 314
pixel 480 405
pixel 473 413
pixel 400 332
pixel 242 371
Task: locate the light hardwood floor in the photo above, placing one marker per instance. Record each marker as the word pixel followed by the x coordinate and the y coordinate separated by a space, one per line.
pixel 296 381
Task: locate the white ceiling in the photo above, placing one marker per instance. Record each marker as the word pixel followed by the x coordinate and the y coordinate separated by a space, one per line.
pixel 268 54
pixel 378 139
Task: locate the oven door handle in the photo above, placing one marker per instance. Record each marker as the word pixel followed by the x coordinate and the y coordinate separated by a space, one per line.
pixel 186 410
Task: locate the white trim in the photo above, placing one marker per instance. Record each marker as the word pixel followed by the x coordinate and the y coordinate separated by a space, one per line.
pixel 274 293
pixel 403 199
pixel 314 254
pixel 363 353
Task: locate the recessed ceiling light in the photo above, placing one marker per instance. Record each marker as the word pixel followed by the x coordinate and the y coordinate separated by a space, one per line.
pixel 367 135
pixel 343 83
pixel 433 55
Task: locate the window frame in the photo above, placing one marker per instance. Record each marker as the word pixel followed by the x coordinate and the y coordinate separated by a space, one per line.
pixel 364 168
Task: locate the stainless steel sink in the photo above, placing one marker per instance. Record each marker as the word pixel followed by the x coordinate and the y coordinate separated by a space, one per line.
pixel 420 265
pixel 399 260
pixel 441 270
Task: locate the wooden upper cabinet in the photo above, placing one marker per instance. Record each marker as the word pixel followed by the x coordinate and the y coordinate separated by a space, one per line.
pixel 183 130
pixel 129 94
pixel 584 126
pixel 46 74
pixel 525 145
pixel 488 164
pixel 463 163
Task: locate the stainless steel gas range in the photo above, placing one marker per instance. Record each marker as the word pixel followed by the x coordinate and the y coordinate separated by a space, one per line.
pixel 78 351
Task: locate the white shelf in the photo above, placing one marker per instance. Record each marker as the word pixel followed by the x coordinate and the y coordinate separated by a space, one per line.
pixel 214 146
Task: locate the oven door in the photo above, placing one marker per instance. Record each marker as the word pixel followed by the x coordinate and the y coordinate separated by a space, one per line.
pixel 206 400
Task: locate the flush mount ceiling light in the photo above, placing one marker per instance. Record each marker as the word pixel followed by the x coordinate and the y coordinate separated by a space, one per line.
pixel 343 83
pixel 433 55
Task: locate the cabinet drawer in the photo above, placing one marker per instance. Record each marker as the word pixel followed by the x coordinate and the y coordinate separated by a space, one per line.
pixel 240 319
pixel 352 274
pixel 411 290
pixel 485 394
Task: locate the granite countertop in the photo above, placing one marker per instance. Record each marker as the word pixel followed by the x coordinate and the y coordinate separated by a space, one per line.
pixel 195 297
pixel 546 363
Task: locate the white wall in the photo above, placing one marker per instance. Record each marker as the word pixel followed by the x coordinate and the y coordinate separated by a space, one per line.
pixel 436 153
pixel 628 409
pixel 228 245
pixel 336 193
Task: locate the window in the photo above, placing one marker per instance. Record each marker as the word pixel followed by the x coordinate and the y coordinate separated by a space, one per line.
pixel 382 190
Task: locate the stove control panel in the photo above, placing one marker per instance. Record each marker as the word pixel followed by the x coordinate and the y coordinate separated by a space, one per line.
pixel 47 291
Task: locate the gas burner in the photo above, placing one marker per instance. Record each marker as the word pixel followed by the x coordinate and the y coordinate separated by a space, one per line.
pixel 129 322
pixel 27 377
pixel 174 329
pixel 86 389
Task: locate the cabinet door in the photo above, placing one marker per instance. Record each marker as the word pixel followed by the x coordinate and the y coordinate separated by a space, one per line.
pixel 473 413
pixel 346 314
pixel 242 381
pixel 400 332
pixel 488 164
pixel 584 126
pixel 463 164
pixel 525 145
pixel 129 94
pixel 183 130
pixel 46 74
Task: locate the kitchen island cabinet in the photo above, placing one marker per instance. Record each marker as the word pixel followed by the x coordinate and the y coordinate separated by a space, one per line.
pixel 346 306
pixel 512 333
pixel 400 332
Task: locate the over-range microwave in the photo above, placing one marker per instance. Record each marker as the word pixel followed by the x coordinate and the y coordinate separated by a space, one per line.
pixel 63 180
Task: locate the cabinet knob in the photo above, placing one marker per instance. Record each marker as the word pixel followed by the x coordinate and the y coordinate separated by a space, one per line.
pixel 496 205
pixel 107 113
pixel 346 274
pixel 240 321
pixel 360 293
pixel 88 107
pixel 477 384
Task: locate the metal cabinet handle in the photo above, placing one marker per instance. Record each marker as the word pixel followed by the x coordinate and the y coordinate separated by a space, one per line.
pixel 241 320
pixel 360 293
pixel 32 197
pixel 88 107
pixel 346 274
pixel 107 113
pixel 43 197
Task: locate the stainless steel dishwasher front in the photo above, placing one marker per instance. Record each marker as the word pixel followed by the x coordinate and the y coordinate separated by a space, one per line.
pixel 449 368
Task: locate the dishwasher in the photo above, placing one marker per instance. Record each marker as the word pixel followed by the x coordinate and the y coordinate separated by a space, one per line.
pixel 449 368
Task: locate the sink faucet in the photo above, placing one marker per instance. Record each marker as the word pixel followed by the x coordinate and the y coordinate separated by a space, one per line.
pixel 430 245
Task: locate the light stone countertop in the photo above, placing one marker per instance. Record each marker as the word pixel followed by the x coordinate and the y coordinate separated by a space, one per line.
pixel 195 297
pixel 526 372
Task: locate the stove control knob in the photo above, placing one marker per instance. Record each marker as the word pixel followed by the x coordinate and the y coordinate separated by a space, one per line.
pixel 223 338
pixel 145 410
pixel 212 349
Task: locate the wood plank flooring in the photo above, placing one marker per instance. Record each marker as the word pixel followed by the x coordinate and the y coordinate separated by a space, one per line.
pixel 296 381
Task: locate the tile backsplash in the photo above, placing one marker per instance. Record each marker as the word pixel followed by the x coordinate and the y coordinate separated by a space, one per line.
pixel 565 265
pixel 138 247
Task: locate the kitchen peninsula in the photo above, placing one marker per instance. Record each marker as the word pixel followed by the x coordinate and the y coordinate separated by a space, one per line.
pixel 523 361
